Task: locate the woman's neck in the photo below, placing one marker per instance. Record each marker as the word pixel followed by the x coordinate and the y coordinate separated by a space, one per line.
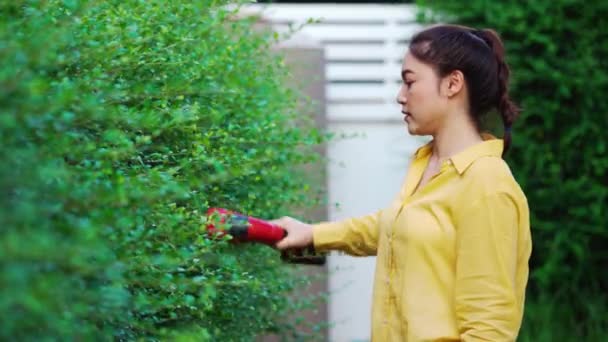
pixel 454 137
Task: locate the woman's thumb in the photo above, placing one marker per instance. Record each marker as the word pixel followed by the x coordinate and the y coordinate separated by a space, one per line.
pixel 284 243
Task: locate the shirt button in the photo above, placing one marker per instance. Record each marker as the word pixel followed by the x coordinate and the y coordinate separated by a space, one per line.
pixel 388 280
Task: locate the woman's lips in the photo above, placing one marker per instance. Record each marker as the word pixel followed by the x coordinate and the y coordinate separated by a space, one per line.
pixel 406 116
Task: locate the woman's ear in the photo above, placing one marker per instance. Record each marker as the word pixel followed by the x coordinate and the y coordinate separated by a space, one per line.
pixel 453 83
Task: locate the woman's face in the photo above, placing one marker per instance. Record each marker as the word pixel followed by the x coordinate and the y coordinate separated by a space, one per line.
pixel 420 97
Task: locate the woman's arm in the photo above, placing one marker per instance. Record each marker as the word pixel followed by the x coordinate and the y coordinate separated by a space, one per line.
pixel 487 304
pixel 354 236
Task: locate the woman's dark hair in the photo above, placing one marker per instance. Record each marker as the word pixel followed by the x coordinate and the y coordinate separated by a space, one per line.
pixel 479 55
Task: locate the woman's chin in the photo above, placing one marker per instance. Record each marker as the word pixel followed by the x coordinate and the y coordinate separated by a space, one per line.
pixel 412 129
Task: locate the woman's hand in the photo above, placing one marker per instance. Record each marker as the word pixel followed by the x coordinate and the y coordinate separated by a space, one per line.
pixel 299 234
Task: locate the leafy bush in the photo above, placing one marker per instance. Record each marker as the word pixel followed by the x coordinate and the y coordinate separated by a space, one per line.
pixel 121 122
pixel 557 53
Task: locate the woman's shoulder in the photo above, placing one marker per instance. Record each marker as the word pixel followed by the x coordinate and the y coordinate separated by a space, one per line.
pixel 491 174
pixel 489 165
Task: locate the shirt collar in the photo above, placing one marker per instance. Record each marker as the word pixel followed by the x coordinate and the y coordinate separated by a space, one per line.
pixel 491 146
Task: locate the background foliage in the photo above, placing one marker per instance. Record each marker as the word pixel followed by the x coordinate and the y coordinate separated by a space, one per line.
pixel 557 51
pixel 121 122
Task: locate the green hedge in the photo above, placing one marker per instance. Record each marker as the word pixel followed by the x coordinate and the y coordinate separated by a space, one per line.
pixel 557 51
pixel 121 122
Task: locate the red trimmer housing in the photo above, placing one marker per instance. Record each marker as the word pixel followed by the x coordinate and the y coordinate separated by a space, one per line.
pixel 245 228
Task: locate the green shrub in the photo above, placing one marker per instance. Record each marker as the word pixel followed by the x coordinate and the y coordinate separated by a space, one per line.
pixel 121 122
pixel 557 53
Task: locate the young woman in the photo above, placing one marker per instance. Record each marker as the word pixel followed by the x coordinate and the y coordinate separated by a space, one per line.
pixel 453 247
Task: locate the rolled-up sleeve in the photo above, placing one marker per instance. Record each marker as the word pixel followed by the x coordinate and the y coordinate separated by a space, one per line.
pixel 486 305
pixel 354 236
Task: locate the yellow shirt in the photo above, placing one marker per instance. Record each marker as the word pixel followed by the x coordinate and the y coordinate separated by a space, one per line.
pixel 452 258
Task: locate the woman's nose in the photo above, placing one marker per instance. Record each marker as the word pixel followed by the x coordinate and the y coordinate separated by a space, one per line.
pixel 401 98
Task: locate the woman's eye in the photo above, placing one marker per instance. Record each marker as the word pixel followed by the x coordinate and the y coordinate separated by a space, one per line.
pixel 408 83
